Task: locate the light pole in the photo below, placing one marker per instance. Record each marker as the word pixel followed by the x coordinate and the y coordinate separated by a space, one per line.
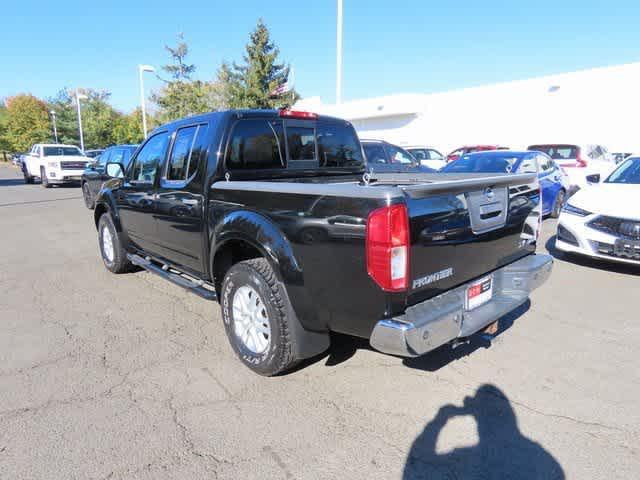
pixel 339 55
pixel 80 96
pixel 141 70
pixel 55 130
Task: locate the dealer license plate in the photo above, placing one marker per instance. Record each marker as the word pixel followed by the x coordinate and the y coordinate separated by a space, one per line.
pixel 479 292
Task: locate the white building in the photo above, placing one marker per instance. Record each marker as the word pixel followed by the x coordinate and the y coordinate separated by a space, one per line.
pixel 600 105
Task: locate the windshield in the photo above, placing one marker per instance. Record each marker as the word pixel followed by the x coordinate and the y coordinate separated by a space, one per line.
pixel 485 162
pixel 628 172
pixel 59 151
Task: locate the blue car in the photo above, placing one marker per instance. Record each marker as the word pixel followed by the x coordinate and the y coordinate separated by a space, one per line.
pixel 553 183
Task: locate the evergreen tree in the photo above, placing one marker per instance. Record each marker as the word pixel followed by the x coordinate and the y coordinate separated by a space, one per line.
pixel 254 84
pixel 181 96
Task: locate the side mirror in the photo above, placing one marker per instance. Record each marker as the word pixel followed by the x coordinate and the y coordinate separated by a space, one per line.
pixel 594 178
pixel 115 170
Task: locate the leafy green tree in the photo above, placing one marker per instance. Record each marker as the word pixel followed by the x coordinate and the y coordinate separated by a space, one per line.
pixel 254 84
pixel 181 96
pixel 99 118
pixel 27 123
pixel 128 128
pixel 4 118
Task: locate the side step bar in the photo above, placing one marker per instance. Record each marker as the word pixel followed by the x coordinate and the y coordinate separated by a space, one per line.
pixel 195 286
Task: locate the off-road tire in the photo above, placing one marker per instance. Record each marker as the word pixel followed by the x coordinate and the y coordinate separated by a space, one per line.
pixel 44 181
pixel 88 201
pixel 120 263
pixel 258 274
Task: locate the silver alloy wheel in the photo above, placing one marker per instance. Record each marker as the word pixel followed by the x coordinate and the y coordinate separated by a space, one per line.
pixel 107 244
pixel 250 320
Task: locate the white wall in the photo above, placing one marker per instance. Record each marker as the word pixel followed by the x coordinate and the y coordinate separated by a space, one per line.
pixel 593 106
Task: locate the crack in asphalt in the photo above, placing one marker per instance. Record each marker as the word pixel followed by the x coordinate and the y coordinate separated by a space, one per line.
pixel 31 202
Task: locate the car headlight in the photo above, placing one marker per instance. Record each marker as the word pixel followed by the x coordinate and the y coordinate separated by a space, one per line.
pixel 53 164
pixel 568 208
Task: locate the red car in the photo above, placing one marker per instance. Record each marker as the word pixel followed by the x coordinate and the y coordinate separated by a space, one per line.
pixel 457 153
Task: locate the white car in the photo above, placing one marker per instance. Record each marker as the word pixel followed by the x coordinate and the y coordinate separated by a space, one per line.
pixel 54 164
pixel 602 220
pixel 427 156
pixel 579 161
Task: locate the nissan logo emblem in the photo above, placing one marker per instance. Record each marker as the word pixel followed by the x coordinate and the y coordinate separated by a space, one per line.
pixel 488 192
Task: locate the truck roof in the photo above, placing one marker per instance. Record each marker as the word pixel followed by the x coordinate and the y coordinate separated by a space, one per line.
pixel 241 113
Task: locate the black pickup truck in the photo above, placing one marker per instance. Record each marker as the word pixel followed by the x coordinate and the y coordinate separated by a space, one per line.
pixel 273 214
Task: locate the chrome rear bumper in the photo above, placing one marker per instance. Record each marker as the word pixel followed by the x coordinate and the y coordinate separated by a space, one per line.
pixel 434 322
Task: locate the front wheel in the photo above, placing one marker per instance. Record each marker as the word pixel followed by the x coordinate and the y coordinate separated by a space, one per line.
pixel 28 179
pixel 114 256
pixel 44 181
pixel 558 204
pixel 254 309
pixel 86 195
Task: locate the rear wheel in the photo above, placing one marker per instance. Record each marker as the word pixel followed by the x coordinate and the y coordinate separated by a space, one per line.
pixel 25 172
pixel 254 309
pixel 44 181
pixel 86 195
pixel 113 253
pixel 558 204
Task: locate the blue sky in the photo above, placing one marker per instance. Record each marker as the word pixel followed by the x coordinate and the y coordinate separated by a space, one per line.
pixel 389 47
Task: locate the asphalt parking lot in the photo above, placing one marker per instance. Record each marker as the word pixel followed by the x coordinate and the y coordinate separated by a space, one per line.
pixel 105 376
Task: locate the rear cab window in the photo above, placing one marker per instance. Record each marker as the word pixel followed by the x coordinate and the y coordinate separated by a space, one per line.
pixel 274 144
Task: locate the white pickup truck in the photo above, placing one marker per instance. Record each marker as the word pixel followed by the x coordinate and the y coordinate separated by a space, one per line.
pixel 54 164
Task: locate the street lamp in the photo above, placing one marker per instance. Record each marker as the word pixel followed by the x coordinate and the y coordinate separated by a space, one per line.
pixel 80 96
pixel 339 54
pixel 141 70
pixel 55 130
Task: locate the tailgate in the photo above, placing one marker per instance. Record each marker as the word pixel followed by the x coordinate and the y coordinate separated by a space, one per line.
pixel 464 226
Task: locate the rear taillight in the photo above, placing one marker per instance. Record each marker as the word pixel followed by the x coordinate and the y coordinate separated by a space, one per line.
pixel 580 162
pixel 388 247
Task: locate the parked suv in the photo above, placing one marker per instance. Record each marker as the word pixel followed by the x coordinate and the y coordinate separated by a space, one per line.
pixel 95 175
pixel 218 204
pixel 54 164
pixel 579 160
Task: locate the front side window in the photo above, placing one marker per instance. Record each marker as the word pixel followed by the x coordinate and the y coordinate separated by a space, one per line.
pixel 147 160
pixel 256 144
pixel 301 142
pixel 103 158
pixel 338 146
pixel 181 154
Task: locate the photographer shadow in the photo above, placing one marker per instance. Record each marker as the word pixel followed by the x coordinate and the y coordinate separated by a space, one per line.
pixel 502 450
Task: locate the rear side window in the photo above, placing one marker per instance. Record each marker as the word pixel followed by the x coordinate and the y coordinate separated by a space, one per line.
pixel 256 144
pixel 181 154
pixel 338 146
